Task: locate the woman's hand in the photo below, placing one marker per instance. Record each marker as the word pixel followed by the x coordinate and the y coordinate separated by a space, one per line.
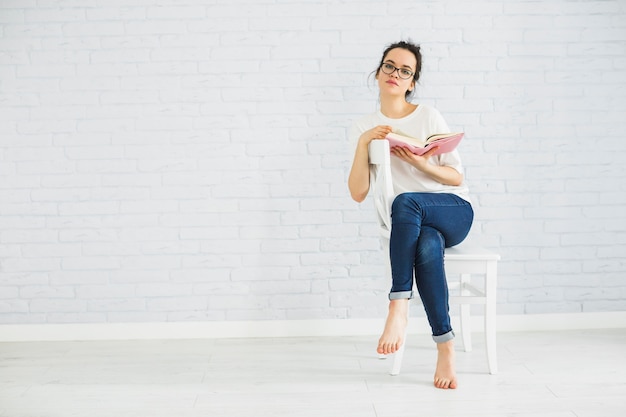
pixel 377 132
pixel 418 161
pixel 440 173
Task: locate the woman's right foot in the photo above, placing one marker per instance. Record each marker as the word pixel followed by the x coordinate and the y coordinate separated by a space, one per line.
pixel 395 327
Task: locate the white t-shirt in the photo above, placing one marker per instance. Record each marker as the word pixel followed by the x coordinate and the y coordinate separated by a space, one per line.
pixel 421 123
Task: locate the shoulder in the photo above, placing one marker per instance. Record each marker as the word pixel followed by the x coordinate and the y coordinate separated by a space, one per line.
pixel 428 111
pixel 366 122
pixel 432 118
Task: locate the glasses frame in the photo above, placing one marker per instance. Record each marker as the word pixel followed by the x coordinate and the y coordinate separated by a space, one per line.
pixel 382 68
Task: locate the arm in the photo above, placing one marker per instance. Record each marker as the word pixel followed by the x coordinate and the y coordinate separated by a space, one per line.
pixel 359 179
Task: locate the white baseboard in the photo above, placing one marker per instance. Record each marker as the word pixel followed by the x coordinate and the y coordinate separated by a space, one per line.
pixel 290 328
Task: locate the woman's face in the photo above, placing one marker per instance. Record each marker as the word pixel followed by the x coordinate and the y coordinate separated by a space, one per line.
pixel 394 83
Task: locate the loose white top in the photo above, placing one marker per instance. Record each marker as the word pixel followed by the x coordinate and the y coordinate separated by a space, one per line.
pixel 421 123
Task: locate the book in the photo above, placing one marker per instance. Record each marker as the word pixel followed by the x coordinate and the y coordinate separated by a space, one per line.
pixel 445 142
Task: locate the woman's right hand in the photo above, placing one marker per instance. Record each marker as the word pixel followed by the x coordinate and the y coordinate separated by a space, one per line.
pixel 377 132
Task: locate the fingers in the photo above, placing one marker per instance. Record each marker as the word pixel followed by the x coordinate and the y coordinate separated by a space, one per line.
pixel 382 131
pixel 377 132
pixel 430 152
pixel 408 155
pixel 402 152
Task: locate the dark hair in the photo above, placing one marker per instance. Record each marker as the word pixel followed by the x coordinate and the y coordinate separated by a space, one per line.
pixel 411 47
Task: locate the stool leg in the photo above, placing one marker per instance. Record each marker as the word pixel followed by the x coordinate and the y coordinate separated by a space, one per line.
pixel 466 332
pixel 397 359
pixel 490 317
pixel 466 326
pixel 490 341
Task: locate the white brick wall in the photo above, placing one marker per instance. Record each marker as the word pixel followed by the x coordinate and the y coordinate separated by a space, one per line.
pixel 171 160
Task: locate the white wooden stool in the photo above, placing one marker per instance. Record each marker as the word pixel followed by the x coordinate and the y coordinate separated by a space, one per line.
pixel 463 261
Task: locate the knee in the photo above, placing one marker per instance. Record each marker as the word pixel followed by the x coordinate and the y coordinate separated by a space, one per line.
pixel 430 246
pixel 402 202
pixel 404 208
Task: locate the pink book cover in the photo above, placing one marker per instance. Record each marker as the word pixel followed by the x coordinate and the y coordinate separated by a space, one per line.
pixel 444 144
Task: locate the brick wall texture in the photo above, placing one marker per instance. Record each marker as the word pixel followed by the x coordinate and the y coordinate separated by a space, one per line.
pixel 178 160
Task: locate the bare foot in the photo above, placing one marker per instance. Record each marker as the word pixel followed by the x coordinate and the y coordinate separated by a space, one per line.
pixel 395 326
pixel 445 375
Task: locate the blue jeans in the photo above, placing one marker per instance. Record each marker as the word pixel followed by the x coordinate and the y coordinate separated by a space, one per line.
pixel 422 226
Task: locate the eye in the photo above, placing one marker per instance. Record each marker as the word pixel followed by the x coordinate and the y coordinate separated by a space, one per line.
pixel 389 67
pixel 406 73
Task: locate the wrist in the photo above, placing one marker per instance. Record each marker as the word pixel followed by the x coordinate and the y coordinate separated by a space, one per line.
pixel 364 143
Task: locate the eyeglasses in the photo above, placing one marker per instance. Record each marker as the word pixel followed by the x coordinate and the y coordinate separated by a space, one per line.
pixel 389 69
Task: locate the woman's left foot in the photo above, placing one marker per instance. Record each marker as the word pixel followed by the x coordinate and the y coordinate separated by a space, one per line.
pixel 445 374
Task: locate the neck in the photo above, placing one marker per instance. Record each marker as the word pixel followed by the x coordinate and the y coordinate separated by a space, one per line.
pixel 396 108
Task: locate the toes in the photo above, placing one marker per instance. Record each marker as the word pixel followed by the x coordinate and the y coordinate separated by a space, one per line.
pixel 445 383
pixel 387 348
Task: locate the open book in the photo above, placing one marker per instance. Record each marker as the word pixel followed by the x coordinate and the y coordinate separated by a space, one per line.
pixel 445 142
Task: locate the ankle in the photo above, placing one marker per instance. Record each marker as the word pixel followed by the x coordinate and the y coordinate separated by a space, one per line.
pixel 400 305
pixel 446 347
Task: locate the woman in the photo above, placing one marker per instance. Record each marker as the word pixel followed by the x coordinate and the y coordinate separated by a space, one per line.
pixel 431 210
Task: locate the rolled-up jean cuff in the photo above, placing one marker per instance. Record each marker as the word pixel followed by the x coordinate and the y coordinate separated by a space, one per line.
pixel 444 337
pixel 401 295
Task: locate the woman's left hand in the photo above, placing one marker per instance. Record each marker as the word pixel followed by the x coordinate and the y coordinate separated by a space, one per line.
pixel 418 161
pixel 440 173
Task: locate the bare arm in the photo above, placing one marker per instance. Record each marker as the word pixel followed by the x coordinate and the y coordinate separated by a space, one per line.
pixel 359 179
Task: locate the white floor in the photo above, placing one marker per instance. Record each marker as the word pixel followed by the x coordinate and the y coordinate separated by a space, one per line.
pixel 543 374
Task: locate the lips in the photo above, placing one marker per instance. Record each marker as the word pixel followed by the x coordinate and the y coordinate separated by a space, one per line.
pixel 392 82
